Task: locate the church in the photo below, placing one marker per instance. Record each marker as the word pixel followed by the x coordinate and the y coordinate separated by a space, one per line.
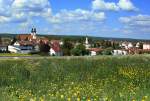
pixel 26 43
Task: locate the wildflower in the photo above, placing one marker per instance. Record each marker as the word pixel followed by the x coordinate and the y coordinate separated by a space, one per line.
pixel 75 94
pixel 41 99
pixel 62 96
pixel 95 99
pixel 88 100
pixel 145 97
pixel 72 83
pixel 78 99
pixel 69 99
pixel 32 99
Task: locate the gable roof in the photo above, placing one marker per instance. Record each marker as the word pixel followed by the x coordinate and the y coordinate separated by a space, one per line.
pixel 24 37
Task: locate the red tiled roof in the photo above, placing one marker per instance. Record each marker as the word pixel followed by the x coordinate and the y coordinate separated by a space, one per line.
pixel 56 46
pixel 95 49
pixel 23 43
pixel 24 37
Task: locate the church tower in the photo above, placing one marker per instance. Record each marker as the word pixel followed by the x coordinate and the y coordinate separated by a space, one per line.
pixel 33 33
pixel 87 45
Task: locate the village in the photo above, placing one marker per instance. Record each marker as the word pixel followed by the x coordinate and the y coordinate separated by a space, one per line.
pixel 32 43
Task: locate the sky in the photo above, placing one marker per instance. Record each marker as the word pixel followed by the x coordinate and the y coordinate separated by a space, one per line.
pixel 102 18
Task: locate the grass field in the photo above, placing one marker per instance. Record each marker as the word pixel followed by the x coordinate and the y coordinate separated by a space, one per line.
pixel 76 79
pixel 13 54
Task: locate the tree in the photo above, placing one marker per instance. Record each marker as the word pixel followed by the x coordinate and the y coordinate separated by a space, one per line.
pixel 13 41
pixel 0 40
pixel 79 50
pixel 141 45
pixel 107 51
pixel 76 52
pixel 66 47
pixel 44 48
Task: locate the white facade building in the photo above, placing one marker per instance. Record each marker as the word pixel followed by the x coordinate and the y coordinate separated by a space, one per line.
pixel 93 53
pixel 119 52
pixel 127 45
pixel 146 46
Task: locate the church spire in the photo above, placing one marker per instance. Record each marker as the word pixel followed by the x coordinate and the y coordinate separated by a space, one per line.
pixel 32 30
pixel 33 33
pixel 87 45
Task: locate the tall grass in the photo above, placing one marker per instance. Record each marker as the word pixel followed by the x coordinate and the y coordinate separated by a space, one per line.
pixel 72 79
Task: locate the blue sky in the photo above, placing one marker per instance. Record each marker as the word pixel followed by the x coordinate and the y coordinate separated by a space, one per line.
pixel 103 18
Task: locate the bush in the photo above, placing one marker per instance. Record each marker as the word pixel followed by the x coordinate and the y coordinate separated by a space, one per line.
pixel 107 51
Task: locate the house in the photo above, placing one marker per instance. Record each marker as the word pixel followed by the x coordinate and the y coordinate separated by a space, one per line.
pixel 146 46
pixel 21 47
pixel 127 45
pixel 137 45
pixel 55 49
pixel 94 51
pixel 27 43
pixel 119 52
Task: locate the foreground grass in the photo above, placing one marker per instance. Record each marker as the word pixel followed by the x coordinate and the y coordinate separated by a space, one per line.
pixel 76 79
pixel 13 54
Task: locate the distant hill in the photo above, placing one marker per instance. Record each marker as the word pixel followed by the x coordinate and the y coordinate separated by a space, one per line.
pixel 77 37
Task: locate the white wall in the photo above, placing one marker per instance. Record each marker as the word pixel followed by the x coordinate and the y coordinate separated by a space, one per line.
pixel 119 52
pixel 146 46
pixel 93 53
pixel 52 52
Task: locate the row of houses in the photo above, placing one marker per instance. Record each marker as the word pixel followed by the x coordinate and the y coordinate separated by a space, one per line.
pixel 28 43
pixel 125 48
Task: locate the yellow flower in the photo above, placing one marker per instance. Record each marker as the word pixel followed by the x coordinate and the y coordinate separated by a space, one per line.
pixel 62 96
pixel 78 99
pixel 33 99
pixel 95 99
pixel 69 99
pixel 41 99
pixel 133 100
pixel 88 100
pixel 143 99
pixel 75 94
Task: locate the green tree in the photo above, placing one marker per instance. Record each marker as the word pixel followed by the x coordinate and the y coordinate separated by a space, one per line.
pixel 79 50
pixel 66 47
pixel 76 52
pixel 107 51
pixel 13 41
pixel 0 40
pixel 141 45
pixel 44 48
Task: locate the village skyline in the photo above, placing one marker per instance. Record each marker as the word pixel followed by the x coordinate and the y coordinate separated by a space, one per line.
pixel 102 18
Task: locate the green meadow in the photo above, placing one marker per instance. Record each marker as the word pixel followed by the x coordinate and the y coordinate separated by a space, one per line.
pixel 103 78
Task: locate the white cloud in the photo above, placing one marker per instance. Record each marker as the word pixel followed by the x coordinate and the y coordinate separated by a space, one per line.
pixel 77 15
pixel 32 7
pixel 121 5
pixel 126 5
pixel 139 20
pixel 102 5
pixel 22 11
pixel 136 24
